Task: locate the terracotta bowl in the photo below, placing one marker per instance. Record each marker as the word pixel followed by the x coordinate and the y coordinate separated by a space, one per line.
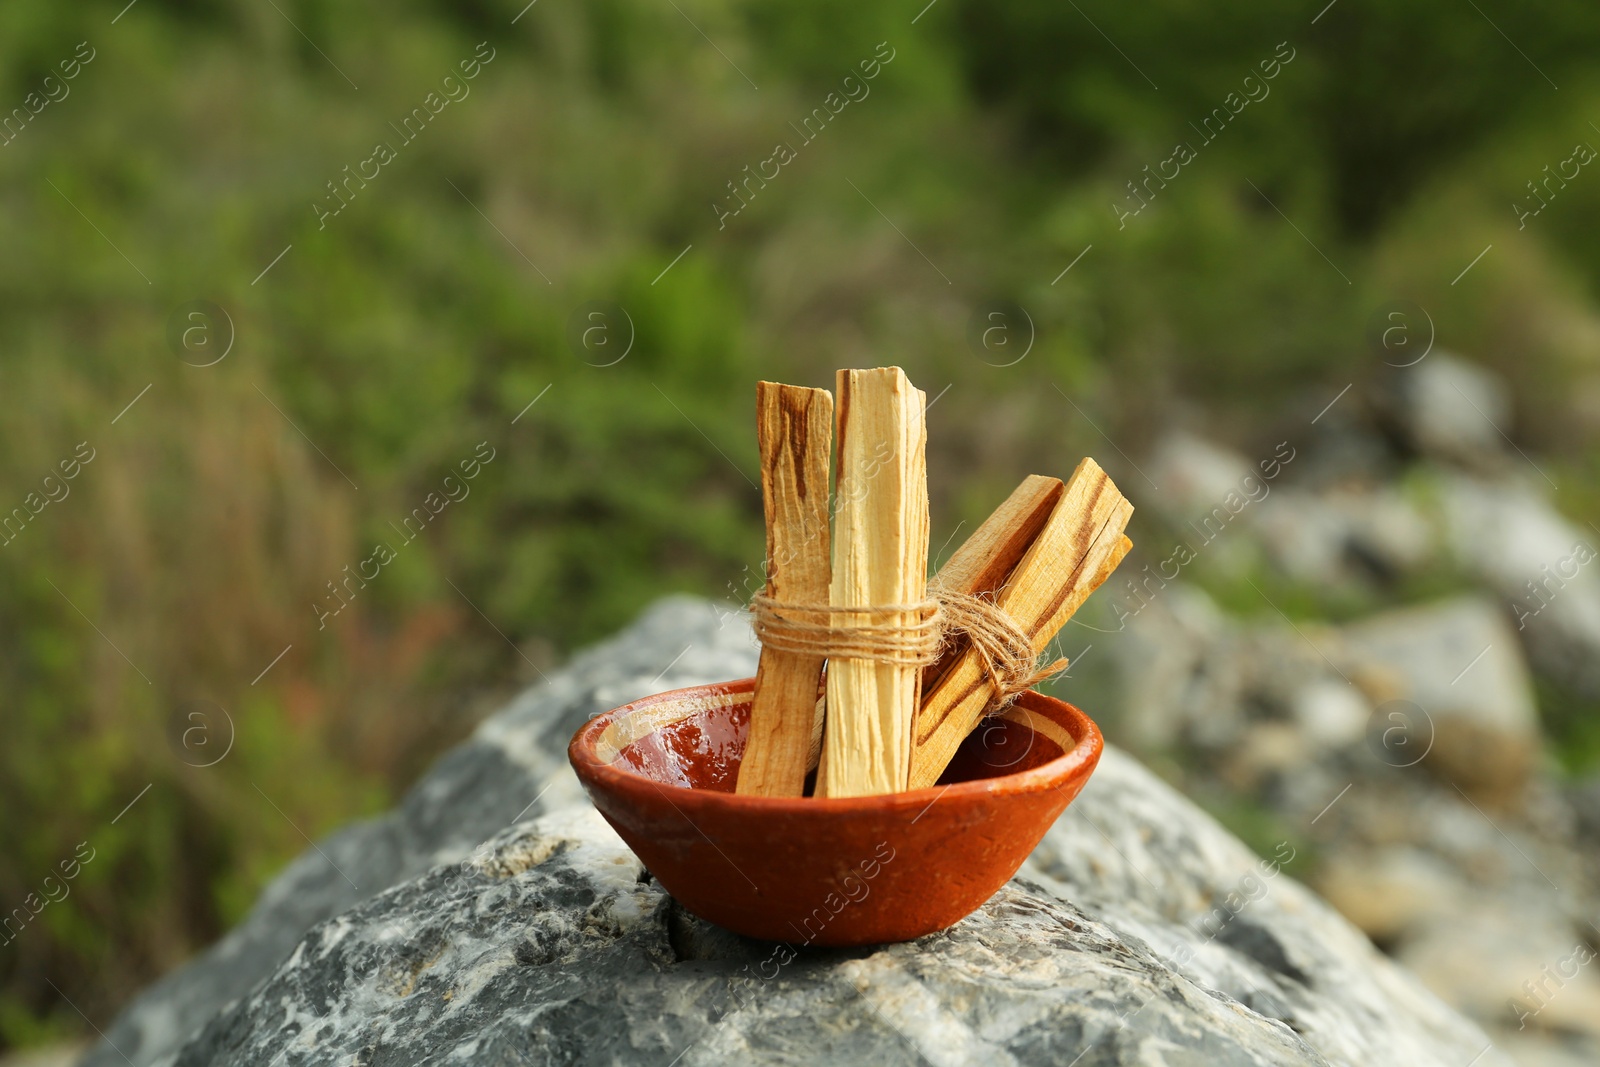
pixel 827 871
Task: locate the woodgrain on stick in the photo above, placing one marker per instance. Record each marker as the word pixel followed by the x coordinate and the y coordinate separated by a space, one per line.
pixel 1070 557
pixel 794 428
pixel 986 559
pixel 880 558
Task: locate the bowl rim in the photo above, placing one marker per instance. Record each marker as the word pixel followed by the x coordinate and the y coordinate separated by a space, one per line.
pixel 1074 764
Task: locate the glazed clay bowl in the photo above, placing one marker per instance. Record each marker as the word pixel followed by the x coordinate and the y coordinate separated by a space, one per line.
pixel 836 870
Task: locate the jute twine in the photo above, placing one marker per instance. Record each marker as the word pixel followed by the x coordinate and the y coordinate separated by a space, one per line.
pixel 879 633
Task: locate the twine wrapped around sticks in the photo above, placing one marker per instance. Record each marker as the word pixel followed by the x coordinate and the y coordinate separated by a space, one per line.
pixel 1004 648
pixel 811 630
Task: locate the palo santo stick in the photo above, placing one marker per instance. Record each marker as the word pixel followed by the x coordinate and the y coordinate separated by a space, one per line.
pixel 1070 557
pixel 982 564
pixel 794 428
pixel 1109 564
pixel 986 559
pixel 880 557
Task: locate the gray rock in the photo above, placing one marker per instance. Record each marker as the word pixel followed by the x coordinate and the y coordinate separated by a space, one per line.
pixel 1391 890
pixel 1331 713
pixel 1454 410
pixel 1512 965
pixel 1509 537
pixel 1169 679
pixel 1228 511
pixel 555 947
pixel 1492 914
pixel 1342 534
pixel 1144 860
pixel 1194 474
pixel 1459 663
pixel 1138 933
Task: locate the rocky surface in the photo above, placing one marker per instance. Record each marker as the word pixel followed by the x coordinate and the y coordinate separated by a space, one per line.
pixel 493 918
pixel 555 947
pixel 1403 750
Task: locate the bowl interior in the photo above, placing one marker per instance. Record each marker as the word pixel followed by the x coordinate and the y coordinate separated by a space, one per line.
pixel 695 739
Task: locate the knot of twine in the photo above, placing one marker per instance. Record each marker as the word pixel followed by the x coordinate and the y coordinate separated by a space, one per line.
pixel 1004 649
pixel 880 633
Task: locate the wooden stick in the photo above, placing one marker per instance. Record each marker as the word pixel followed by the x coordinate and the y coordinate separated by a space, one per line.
pixel 794 428
pixel 1109 564
pixel 1066 562
pixel 880 557
pixel 986 559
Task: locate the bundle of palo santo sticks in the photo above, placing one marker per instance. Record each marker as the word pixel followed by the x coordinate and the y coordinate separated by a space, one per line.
pixel 871 674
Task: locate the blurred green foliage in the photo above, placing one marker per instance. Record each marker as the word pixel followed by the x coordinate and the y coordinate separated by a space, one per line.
pixel 382 348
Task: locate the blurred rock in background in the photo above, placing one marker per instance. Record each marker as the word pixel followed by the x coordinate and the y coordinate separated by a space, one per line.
pixel 1403 745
